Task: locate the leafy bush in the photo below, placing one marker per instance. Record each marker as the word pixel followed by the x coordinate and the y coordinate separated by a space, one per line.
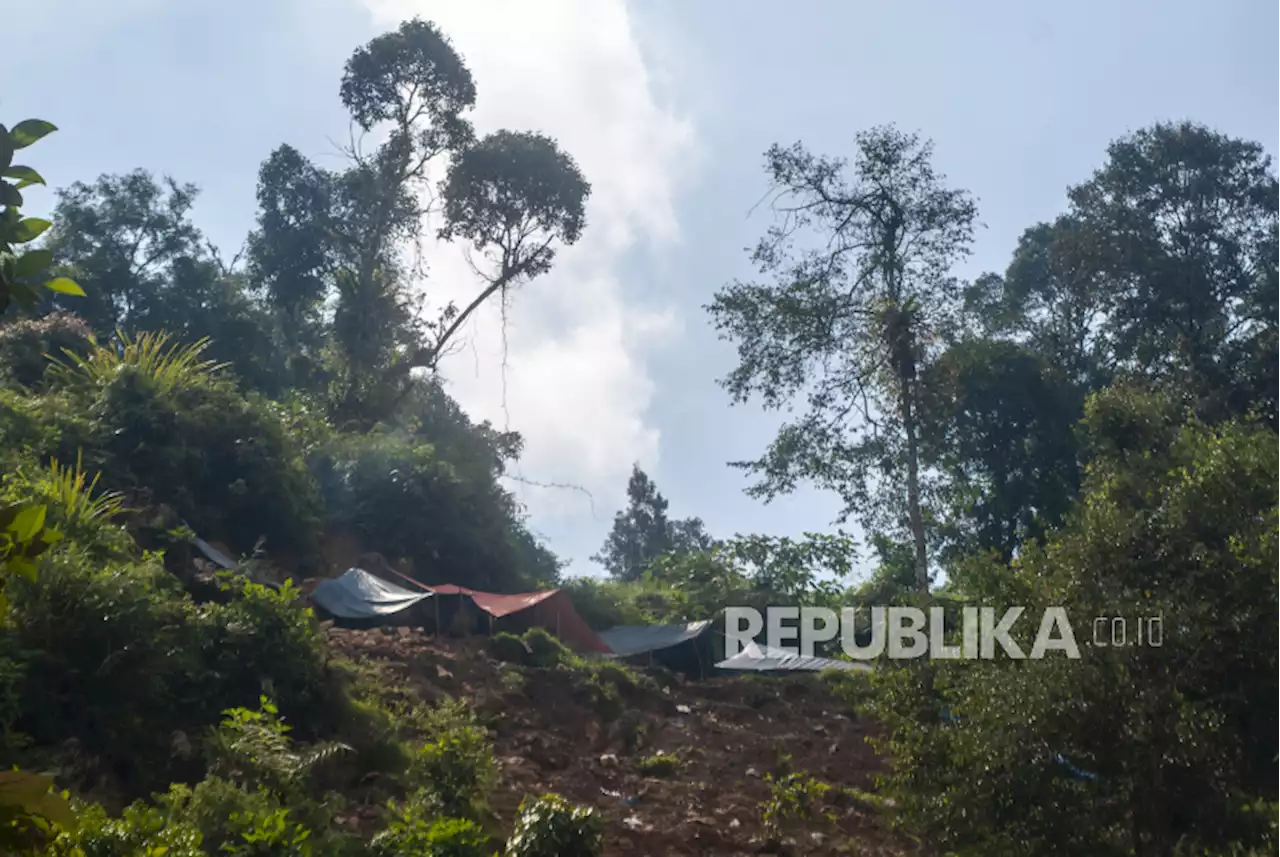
pixel 793 798
pixel 75 506
pixel 234 819
pixel 509 648
pixel 400 494
pixel 269 833
pixel 265 637
pixel 1127 749
pixel 163 427
pixel 659 765
pixel 105 652
pixel 254 747
pixel 115 654
pixel 853 687
pixel 545 649
pixel 140 831
pixel 417 829
pixel 166 369
pixel 550 826
pixel 456 763
pixel 28 346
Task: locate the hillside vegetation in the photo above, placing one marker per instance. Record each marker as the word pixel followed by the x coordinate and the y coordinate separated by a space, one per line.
pixel 1094 428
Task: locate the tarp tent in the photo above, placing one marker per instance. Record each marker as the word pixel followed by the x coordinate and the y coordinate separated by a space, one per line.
pixel 550 609
pixel 759 658
pixel 684 646
pixel 362 597
pixel 211 553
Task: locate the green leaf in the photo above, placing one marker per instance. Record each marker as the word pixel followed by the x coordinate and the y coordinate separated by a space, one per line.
pixel 9 195
pixel 23 293
pixel 28 131
pixel 65 286
pixel 30 793
pixel 23 566
pixel 6 148
pixel 32 263
pixel 28 522
pixel 29 229
pixel 24 175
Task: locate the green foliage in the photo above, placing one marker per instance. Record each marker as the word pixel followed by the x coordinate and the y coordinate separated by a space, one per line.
pixel 518 193
pixel 642 532
pixel 509 648
pixel 411 71
pixel 73 510
pixel 545 649
pixel 72 494
pixel 146 266
pixel 853 687
pixel 113 653
pixel 23 539
pixel 661 765
pixel 254 748
pixel 231 818
pixel 858 291
pixel 23 274
pixel 1177 521
pixel 31 812
pixel 267 834
pixel 417 829
pixel 550 826
pixel 456 763
pixel 140 831
pixel 794 798
pixel 27 346
pixel 155 420
pixel 163 369
pixel 455 525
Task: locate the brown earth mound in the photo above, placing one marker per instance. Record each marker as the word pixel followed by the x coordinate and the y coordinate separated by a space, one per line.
pixel 727 733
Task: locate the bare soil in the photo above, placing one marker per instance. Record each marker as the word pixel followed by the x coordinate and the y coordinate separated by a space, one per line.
pixel 728 733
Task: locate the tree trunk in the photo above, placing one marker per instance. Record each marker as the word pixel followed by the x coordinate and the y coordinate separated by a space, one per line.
pixel 914 514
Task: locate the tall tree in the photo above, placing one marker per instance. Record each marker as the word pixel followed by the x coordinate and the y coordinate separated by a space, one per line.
pixel 859 262
pixel 122 235
pixel 641 532
pixel 348 238
pixel 1000 433
pixel 132 239
pixel 1164 267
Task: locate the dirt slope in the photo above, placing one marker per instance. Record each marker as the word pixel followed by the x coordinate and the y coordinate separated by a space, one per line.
pixel 728 732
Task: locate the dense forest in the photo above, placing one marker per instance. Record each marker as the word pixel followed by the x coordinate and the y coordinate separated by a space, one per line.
pixel 1093 427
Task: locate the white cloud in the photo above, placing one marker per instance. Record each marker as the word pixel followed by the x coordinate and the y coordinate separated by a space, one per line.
pixel 576 384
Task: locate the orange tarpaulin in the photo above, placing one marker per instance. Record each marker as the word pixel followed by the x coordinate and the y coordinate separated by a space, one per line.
pixel 550 609
pixel 494 604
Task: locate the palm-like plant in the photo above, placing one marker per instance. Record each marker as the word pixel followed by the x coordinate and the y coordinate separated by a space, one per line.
pixel 71 490
pixel 167 365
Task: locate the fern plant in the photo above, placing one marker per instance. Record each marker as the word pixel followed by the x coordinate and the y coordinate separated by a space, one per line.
pixel 167 365
pixel 254 748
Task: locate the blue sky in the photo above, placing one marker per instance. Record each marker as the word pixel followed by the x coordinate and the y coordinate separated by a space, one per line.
pixel 668 106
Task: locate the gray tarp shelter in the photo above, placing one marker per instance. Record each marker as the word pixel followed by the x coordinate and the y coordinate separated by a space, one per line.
pixel 765 659
pixel 684 647
pixel 214 555
pixel 627 640
pixel 359 595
